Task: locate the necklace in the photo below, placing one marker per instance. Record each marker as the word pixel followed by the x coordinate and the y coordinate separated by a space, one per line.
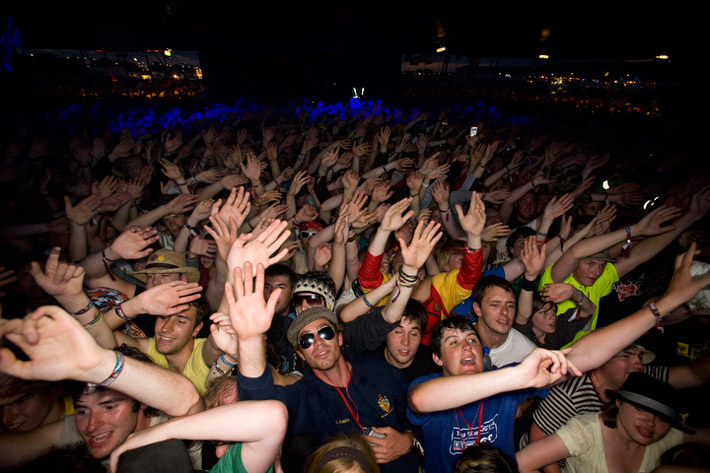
pixel 479 413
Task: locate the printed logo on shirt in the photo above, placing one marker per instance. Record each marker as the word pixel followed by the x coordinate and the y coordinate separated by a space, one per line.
pixel 385 405
pixel 342 421
pixel 630 289
pixel 462 438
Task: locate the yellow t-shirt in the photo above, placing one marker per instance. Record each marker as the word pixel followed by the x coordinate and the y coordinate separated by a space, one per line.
pixel 196 370
pixel 600 288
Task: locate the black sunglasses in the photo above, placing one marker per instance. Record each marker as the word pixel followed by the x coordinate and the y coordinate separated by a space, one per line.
pixel 307 339
pixel 311 299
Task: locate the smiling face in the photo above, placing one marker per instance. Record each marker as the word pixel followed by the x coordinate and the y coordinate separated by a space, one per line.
pixel 496 310
pixel 25 411
pixel 173 333
pixel 526 206
pixel 461 352
pixel 545 318
pixel 640 425
pixel 588 271
pixel 403 343
pixel 105 419
pixel 323 354
pixel 156 279
pixel 174 222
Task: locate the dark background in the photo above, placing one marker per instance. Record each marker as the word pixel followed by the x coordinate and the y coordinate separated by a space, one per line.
pixel 295 48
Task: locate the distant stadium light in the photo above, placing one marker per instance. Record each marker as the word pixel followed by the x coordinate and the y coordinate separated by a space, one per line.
pixel 168 52
pixel 441 49
pixel 544 56
pixel 662 56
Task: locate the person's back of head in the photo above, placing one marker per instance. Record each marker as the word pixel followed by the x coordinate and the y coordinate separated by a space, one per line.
pixel 485 459
pixel 343 454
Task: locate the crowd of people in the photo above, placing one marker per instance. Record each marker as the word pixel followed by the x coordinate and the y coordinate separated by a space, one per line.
pixel 347 288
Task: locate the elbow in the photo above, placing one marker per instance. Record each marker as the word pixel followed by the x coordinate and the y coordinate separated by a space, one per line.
pixel 417 401
pixel 276 415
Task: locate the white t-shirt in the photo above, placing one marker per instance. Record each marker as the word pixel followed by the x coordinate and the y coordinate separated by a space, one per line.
pixel 515 348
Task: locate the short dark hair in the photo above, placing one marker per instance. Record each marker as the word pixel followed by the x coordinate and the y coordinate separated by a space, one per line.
pixel 280 269
pixel 608 415
pixel 415 312
pixel 202 310
pixel 455 322
pixel 515 235
pixel 479 290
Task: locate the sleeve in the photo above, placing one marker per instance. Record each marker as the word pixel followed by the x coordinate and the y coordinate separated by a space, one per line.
pixel 546 278
pixel 470 271
pixel 659 372
pixel 577 436
pixel 413 417
pixel 606 280
pixel 369 274
pixel 256 389
pixel 368 331
pixel 554 411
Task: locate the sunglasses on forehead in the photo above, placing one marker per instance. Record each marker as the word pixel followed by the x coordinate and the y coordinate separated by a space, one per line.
pixel 307 339
pixel 311 299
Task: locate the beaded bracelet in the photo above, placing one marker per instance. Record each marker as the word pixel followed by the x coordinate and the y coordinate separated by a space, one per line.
pixel 657 315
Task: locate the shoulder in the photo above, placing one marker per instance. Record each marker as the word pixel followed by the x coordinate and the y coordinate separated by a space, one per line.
pixel 423 379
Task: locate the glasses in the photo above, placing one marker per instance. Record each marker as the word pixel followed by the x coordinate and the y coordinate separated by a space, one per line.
pixel 307 339
pixel 310 299
pixel 305 235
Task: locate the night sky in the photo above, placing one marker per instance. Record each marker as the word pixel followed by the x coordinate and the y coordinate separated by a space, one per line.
pixel 292 44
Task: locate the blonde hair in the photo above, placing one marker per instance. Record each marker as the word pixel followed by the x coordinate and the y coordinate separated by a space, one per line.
pixel 343 454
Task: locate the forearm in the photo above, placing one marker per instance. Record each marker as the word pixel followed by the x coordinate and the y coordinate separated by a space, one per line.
pixel 209 191
pixel 215 289
pixel 452 228
pixel 352 263
pixel 77 242
pixel 252 356
pixel 122 216
pixel 394 309
pixel 336 267
pixel 525 299
pixel 149 218
pixel 449 392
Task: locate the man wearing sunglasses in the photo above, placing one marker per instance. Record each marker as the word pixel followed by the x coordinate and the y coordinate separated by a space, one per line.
pixel 340 391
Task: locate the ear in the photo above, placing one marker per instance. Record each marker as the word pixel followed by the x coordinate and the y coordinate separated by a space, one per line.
pixel 300 355
pixel 437 360
pixel 340 339
pixel 197 329
pixel 477 309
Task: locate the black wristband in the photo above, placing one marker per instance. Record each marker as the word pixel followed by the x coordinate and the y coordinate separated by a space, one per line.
pixel 528 285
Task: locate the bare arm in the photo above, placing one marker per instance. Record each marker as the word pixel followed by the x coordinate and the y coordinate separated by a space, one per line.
pixel 542 452
pixel 259 425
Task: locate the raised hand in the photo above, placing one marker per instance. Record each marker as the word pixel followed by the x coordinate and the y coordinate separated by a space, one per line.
pixel 259 250
pixel 475 219
pixel 7 277
pixel 350 181
pixel 170 170
pixel 181 204
pixel 494 232
pixel 83 211
pixel 57 346
pixel 58 279
pixel 440 192
pixel 235 207
pixel 651 223
pixel 274 211
pixel 224 235
pixel 202 246
pixel 233 180
pixel 223 334
pixel 300 179
pixel 168 299
pixel 382 192
pixel 124 147
pixel 393 218
pixel 252 169
pixel 307 213
pixel 414 182
pixel 423 242
pixel 557 207
pixel 250 314
pixel 344 161
pixel 133 243
pixel 210 176
pixel 105 188
pixel 683 286
pixel 114 202
pixel 533 257
pixel 497 197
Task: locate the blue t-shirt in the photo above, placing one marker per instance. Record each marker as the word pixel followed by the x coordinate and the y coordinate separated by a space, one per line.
pixel 447 434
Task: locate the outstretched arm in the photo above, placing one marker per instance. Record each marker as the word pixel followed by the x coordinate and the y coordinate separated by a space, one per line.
pixel 59 348
pixel 539 369
pixel 259 425
pixel 601 345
